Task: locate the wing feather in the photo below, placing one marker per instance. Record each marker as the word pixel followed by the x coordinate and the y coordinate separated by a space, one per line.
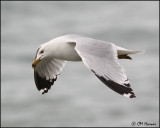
pixel 46 72
pixel 101 58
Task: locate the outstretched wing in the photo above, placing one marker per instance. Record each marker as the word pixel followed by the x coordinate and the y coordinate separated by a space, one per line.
pixel 101 58
pixel 46 72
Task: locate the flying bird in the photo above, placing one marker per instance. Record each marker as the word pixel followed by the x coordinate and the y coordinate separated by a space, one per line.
pixel 100 57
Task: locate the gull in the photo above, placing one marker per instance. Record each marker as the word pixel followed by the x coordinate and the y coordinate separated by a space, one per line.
pixel 99 56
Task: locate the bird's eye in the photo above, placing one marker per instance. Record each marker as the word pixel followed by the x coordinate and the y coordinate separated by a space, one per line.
pixel 42 51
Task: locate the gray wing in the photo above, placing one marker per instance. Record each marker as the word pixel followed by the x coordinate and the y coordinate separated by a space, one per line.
pixel 46 72
pixel 101 58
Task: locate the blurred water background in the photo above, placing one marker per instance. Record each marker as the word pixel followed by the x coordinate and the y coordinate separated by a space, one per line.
pixel 78 98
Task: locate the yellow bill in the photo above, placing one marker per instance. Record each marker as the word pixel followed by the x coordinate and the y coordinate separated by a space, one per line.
pixel 35 62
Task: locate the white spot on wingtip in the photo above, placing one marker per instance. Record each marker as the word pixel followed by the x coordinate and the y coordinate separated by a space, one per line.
pixel 127 95
pixel 41 91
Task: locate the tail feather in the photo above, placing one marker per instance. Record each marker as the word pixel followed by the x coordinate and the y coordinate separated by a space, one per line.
pixel 126 52
pixel 123 51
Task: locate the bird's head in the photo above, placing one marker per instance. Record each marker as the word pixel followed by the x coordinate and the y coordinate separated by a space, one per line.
pixel 40 55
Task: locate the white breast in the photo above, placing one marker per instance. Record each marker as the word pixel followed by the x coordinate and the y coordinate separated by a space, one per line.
pixel 63 50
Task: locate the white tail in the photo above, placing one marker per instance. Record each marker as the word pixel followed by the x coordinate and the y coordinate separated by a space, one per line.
pixel 123 51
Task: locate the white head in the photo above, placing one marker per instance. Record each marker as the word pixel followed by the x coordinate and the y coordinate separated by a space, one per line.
pixel 40 54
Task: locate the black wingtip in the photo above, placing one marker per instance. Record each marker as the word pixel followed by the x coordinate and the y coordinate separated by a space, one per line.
pixel 42 84
pixel 124 90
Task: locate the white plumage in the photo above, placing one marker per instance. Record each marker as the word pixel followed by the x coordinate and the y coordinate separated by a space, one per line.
pixel 99 56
